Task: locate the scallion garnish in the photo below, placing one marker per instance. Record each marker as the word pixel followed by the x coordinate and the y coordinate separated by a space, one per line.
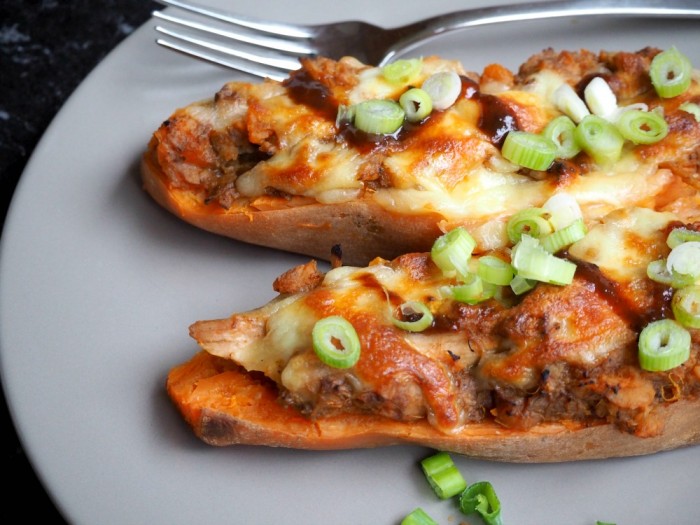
pixel 520 285
pixel 532 261
pixel 442 475
pixel 529 150
pixel 481 498
pixel 657 272
pixel 382 117
pixel 569 103
pixel 684 261
pixel 671 73
pixel 681 235
pixel 692 108
pixel 402 71
pixel 335 342
pixel 563 209
pixel 415 317
pixel 685 305
pixel 531 221
pixel 418 517
pixel 663 345
pixel 600 98
pixel 416 103
pixel 451 251
pixel 443 88
pixel 494 270
pixel 642 127
pixel 561 132
pixel 600 139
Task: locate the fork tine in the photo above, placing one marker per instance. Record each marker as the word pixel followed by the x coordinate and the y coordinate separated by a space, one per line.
pixel 278 29
pixel 296 47
pixel 255 62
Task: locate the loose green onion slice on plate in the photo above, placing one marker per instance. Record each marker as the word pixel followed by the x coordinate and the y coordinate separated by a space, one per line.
pixel 642 127
pixel 402 71
pixel 481 498
pixel 418 517
pixel 415 317
pixel 561 132
pixel 600 139
pixel 529 150
pixel 382 117
pixel 685 305
pixel 416 103
pixel 443 475
pixel 671 73
pixel 451 251
pixel 335 342
pixel 663 345
pixel 443 87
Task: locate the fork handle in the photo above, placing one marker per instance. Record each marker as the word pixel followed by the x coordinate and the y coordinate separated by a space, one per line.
pixel 425 30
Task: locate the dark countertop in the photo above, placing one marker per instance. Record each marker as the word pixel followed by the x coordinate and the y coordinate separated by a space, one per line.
pixel 46 49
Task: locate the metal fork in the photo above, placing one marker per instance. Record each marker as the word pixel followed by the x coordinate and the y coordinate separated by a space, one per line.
pixel 272 49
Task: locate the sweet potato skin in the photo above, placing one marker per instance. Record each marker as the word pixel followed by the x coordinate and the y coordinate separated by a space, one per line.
pixel 362 229
pixel 224 405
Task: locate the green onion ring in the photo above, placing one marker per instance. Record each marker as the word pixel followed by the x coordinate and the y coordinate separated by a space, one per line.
pixel 680 235
pixel 531 221
pixel 415 317
pixel 529 150
pixel 671 73
pixel 495 270
pixel 451 251
pixel 481 498
pixel 531 261
pixel 416 104
pixel 685 305
pixel 520 285
pixel 564 237
pixel 382 117
pixel 442 475
pixel 684 260
pixel 663 345
pixel 443 87
pixel 600 139
pixel 402 71
pixel 561 132
pixel 335 342
pixel 692 108
pixel 418 517
pixel 642 127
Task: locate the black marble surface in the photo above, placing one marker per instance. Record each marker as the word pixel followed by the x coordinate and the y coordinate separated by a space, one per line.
pixel 47 48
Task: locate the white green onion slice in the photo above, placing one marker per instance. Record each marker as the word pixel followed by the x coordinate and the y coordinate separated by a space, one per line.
pixel 382 117
pixel 692 108
pixel 402 71
pixel 415 316
pixel 531 221
pixel 564 237
pixel 561 132
pixel 529 150
pixel 416 103
pixel 563 209
pixel 494 270
pixel 600 98
pixel 335 342
pixel 568 102
pixel 600 139
pixel 418 517
pixel 684 261
pixel 685 305
pixel 443 476
pixel 680 235
pixel 532 261
pixel 671 73
pixel 663 345
pixel 451 251
pixel 642 127
pixel 443 87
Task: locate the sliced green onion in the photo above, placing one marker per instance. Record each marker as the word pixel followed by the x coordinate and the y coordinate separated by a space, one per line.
pixel 600 139
pixel 495 270
pixel 529 150
pixel 663 345
pixel 686 306
pixel 416 103
pixel 681 235
pixel 692 108
pixel 569 103
pixel 561 132
pixel 531 221
pixel 443 475
pixel 600 98
pixel 335 342
pixel 671 73
pixel 418 517
pixel 568 235
pixel 378 116
pixel 642 127
pixel 657 271
pixel 415 317
pixel 443 87
pixel 451 251
pixel 531 261
pixel 402 71
pixel 684 261
pixel 472 290
pixel 481 498
pixel 346 114
pixel 520 285
pixel 563 209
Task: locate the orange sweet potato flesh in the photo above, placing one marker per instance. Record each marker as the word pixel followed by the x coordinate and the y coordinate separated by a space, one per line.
pixel 225 405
